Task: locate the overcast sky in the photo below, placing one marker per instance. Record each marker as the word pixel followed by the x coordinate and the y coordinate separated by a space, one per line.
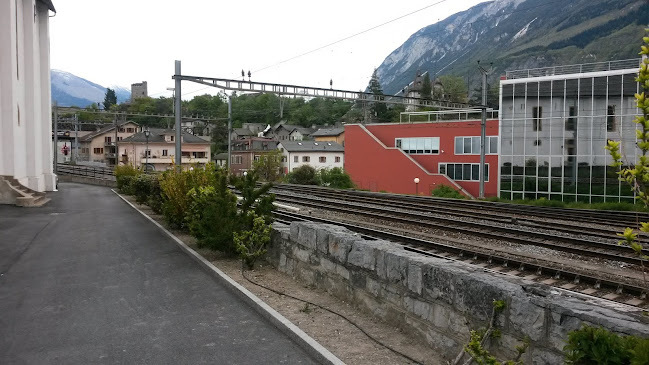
pixel 122 42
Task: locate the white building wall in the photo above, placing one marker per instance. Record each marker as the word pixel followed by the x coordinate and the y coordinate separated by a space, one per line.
pixel 26 147
pixel 314 158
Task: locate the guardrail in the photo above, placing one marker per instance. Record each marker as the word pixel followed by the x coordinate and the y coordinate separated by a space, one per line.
pixel 574 69
pixel 104 173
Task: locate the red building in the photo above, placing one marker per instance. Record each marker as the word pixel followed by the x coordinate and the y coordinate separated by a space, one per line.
pixel 388 157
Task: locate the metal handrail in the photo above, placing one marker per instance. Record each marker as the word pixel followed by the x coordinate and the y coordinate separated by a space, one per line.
pixel 575 69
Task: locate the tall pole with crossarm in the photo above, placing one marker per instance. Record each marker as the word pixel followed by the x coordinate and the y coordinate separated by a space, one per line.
pixel 178 95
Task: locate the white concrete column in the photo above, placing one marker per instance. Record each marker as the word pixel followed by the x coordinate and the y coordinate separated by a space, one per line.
pixel 31 112
pixel 7 84
pixel 45 117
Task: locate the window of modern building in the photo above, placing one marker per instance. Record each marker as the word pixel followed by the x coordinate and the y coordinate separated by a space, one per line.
pixel 165 152
pixel 610 118
pixel 306 158
pixel 322 159
pixel 130 130
pixel 121 130
pixel 537 142
pixel 463 171
pixel 537 114
pixel 98 151
pixel 337 158
pixel 572 121
pixel 296 158
pixel 471 145
pixel 257 157
pixel 418 146
pixel 147 153
pixel 107 139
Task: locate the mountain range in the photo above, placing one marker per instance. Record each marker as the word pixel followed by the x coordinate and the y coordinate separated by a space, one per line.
pixel 72 90
pixel 518 34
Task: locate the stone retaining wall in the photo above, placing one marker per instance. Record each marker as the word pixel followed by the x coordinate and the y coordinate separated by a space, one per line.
pixel 438 299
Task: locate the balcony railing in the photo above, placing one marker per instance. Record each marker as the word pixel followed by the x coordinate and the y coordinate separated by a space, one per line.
pixel 575 69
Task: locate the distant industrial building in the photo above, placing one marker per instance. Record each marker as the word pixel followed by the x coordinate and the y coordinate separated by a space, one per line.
pixel 554 126
pixel 139 90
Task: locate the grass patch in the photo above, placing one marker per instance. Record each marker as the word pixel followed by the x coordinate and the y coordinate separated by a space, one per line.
pixel 543 202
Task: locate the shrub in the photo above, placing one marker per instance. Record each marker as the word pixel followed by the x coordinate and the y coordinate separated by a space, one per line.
pixel 213 216
pixel 591 345
pixel 303 175
pixel 142 187
pixel 445 191
pixel 335 178
pixel 123 175
pixel 251 244
pixel 155 198
pixel 254 199
pixel 175 186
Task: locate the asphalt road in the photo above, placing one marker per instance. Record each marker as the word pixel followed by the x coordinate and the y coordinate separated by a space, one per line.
pixel 88 280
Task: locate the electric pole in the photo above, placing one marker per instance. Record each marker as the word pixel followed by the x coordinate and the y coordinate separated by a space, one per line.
pixel 483 128
pixel 230 132
pixel 177 111
pixel 56 137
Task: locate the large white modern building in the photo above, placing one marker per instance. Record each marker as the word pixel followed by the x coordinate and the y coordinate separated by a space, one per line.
pixel 26 149
pixel 554 126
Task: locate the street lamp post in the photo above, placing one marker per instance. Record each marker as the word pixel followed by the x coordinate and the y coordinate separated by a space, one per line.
pixel 416 186
pixel 147 134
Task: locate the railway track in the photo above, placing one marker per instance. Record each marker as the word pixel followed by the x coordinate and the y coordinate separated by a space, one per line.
pixel 585 246
pixel 484 209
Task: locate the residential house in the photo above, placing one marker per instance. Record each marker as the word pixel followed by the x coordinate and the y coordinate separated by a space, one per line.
pixel 300 134
pixel 26 148
pixel 319 155
pixel 159 150
pixel 100 146
pixel 288 132
pixel 221 159
pixel 198 128
pixel 245 152
pixel 330 135
pixel 242 133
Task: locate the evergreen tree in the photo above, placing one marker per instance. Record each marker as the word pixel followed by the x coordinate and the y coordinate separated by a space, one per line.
pixel 110 99
pixel 378 110
pixel 427 88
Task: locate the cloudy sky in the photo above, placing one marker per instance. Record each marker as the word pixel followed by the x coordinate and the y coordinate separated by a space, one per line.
pixel 122 42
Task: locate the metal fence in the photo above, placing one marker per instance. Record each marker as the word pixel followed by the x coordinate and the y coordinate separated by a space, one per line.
pixel 104 173
pixel 575 69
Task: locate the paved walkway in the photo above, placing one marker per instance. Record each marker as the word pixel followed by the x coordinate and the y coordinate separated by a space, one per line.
pixel 88 280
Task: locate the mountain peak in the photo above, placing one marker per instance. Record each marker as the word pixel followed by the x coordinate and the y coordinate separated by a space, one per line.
pixel 71 90
pixel 515 34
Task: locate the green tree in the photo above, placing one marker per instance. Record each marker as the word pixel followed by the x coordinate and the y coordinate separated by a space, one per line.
pixel 303 175
pixel 335 178
pixel 110 99
pixel 454 88
pixel 378 109
pixel 426 88
pixel 493 97
pixel 269 166
pixel 637 175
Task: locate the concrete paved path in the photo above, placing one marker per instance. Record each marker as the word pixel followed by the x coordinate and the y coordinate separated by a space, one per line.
pixel 88 280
